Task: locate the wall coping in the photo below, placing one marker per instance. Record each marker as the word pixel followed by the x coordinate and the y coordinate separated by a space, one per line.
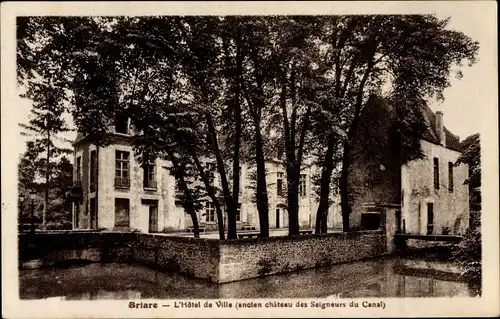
pixel 351 234
pixel 354 233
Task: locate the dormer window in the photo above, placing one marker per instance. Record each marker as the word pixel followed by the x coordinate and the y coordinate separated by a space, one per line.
pixel 122 125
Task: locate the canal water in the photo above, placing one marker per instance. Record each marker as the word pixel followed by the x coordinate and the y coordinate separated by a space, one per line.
pixel 381 277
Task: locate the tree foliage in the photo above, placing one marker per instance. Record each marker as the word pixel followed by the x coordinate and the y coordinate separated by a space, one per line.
pixel 243 90
pixel 472 157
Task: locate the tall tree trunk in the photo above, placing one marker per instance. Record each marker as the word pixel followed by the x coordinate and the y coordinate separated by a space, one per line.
pixel 262 197
pixel 292 167
pixel 228 199
pixel 211 193
pixel 344 188
pixel 47 177
pixel 326 173
pixel 324 223
pixel 231 218
pixel 293 180
pixel 189 206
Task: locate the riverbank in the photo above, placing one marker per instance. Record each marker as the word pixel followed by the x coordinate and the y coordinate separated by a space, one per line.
pixel 389 276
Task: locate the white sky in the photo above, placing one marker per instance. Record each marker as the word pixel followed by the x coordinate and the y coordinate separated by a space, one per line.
pixel 465 101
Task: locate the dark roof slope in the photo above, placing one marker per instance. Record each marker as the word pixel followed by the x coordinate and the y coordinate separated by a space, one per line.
pixel 452 141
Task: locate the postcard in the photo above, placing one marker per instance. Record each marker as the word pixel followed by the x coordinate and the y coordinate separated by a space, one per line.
pixel 249 159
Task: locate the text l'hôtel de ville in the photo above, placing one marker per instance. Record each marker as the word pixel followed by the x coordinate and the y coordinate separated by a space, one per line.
pixel 253 304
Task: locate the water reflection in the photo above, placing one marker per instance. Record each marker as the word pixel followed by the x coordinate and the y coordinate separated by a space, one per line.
pixel 385 277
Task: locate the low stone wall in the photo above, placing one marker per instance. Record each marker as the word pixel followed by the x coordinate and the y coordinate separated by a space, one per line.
pixel 194 257
pixel 250 258
pixel 210 259
pixel 50 248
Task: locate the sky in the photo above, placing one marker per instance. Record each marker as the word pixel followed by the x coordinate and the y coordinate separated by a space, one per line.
pixel 465 101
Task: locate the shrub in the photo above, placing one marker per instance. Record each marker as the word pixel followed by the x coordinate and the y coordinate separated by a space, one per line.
pixel 59 225
pixel 467 253
pixel 445 230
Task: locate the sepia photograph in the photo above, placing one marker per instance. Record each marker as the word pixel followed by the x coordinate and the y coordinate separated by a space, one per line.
pixel 246 162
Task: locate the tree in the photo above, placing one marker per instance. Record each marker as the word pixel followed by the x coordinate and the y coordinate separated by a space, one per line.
pixel 252 41
pixel 219 82
pixel 59 209
pixel 203 69
pixel 113 67
pixel 299 83
pixel 27 175
pixel 44 126
pixel 472 157
pixel 413 54
pixel 31 168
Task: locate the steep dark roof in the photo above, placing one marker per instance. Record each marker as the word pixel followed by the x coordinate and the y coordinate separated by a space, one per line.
pixel 380 104
pixel 452 141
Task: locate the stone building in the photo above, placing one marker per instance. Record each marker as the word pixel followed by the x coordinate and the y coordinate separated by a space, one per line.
pixel 120 194
pixel 430 190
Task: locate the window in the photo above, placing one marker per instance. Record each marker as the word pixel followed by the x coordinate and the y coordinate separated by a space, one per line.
pixel 370 220
pixel 93 170
pixel 93 213
pixel 302 185
pixel 149 175
pixel 240 189
pixel 121 125
pixel 78 169
pixel 77 215
pixel 209 212
pixel 178 188
pixel 238 213
pixel 122 169
pixel 450 176
pixel 210 171
pixel 280 152
pixel 436 173
pixel 279 184
pixel 277 218
pixel 122 212
pixel 430 218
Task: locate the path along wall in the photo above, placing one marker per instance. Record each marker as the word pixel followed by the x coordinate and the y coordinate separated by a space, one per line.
pixel 210 259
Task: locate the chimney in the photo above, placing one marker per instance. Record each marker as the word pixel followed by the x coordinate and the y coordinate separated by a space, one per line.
pixel 440 128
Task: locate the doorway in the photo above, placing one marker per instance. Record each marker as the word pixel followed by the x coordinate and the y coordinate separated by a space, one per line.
pixel 149 216
pixel 153 219
pixel 93 214
pixel 398 221
pixel 277 218
pixel 430 218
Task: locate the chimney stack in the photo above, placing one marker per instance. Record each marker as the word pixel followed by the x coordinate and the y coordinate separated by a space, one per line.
pixel 440 128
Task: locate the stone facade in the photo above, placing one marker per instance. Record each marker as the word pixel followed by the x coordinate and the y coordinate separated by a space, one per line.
pixel 450 205
pixel 375 177
pixel 155 209
pixel 430 190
